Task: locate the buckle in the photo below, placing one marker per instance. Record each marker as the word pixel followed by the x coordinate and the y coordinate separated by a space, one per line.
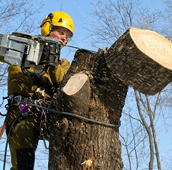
pixel 16 100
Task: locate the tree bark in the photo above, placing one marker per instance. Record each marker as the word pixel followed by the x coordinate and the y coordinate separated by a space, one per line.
pixel 142 59
pixel 89 89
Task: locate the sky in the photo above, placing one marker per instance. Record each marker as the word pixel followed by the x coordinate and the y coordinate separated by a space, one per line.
pixel 80 12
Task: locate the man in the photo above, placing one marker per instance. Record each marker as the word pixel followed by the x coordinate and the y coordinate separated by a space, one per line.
pixel 24 139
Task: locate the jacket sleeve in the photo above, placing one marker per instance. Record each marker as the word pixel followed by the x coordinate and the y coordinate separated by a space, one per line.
pixel 57 73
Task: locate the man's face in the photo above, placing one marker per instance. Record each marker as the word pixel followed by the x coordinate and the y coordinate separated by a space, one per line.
pixel 61 34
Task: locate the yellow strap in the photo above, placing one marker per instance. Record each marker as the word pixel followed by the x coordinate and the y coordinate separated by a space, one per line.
pixel 18 124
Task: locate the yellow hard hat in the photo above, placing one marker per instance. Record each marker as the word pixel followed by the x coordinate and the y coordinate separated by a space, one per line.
pixel 57 18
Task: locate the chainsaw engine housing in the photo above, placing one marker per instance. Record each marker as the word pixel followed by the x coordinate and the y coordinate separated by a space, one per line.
pixel 25 50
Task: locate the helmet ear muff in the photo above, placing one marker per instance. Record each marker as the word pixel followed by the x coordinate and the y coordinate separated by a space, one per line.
pixel 47 25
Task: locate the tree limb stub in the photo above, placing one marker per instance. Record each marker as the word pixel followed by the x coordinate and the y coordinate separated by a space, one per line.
pixel 142 59
pixel 75 83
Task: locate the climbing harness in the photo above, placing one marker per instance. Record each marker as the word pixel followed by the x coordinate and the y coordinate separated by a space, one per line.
pixel 43 122
pixel 25 112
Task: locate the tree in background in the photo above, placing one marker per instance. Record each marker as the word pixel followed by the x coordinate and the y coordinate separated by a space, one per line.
pixel 140 129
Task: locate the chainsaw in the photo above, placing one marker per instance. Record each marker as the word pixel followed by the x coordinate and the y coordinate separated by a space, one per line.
pixel 25 50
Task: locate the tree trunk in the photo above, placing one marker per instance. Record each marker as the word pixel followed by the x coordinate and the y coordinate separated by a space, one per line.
pixel 142 59
pixel 94 88
pixel 89 89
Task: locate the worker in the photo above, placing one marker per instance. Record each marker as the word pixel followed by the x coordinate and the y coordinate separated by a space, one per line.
pixel 24 139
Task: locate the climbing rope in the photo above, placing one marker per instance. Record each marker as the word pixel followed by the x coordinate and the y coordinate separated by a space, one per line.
pixel 78 116
pixel 10 130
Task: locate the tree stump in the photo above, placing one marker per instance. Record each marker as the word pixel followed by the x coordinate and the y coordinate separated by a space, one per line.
pixel 89 89
pixel 142 59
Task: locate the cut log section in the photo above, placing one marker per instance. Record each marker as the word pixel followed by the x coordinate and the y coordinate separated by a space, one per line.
pixel 142 59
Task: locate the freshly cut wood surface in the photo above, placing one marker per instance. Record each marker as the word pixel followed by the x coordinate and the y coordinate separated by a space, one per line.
pixel 142 59
pixel 153 45
pixel 75 83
